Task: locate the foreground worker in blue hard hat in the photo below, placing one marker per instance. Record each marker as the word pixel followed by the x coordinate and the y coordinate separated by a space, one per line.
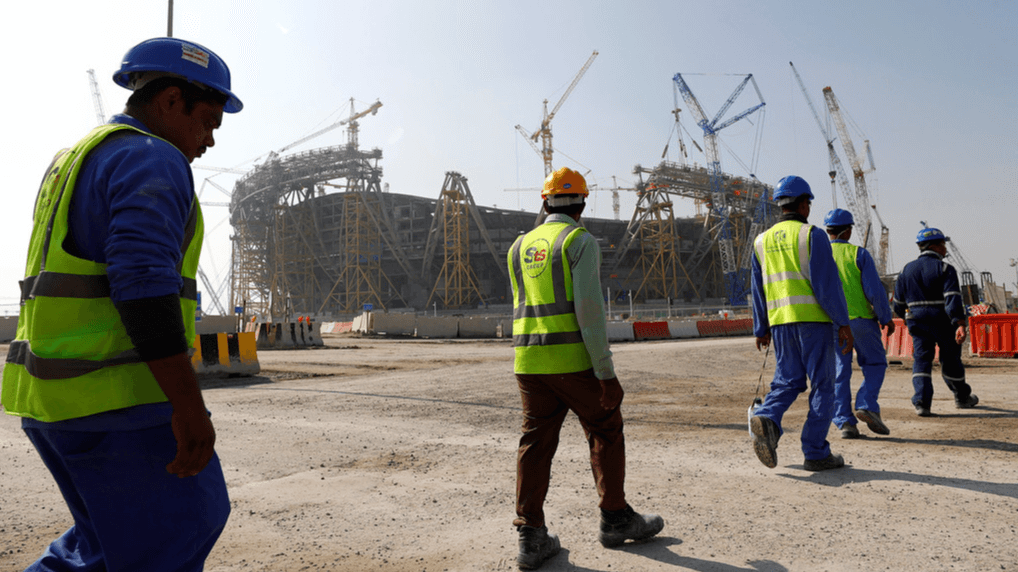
pixel 99 370
pixel 868 310
pixel 928 296
pixel 797 295
pixel 563 363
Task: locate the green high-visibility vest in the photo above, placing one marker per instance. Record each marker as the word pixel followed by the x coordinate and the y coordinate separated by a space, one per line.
pixel 72 356
pixel 546 334
pixel 783 253
pixel 845 257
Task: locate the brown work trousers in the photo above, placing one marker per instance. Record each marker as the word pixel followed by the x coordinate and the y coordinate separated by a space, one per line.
pixel 547 398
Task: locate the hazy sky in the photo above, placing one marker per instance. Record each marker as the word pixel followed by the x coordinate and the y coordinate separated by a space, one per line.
pixel 931 85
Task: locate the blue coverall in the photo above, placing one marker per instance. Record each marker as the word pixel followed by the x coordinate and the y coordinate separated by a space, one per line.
pixel 927 295
pixel 129 513
pixel 805 349
pixel 868 347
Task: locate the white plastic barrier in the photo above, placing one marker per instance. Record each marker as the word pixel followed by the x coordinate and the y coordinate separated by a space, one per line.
pixel 478 327
pixel 393 324
pixel 685 329
pixel 362 323
pixel 437 327
pixel 620 332
pixel 505 328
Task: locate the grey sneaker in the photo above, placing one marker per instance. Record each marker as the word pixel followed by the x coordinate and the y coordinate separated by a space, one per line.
pixel 873 421
pixel 849 431
pixel 968 403
pixel 832 461
pixel 536 546
pixel 923 411
pixel 620 526
pixel 765 440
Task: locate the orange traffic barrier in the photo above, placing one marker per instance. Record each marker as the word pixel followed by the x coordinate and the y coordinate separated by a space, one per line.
pixel 994 335
pixel 651 331
pixel 899 345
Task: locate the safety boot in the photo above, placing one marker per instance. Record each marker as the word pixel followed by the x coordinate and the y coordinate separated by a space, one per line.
pixel 849 431
pixel 873 421
pixel 765 440
pixel 536 546
pixel 922 411
pixel 832 461
pixel 967 403
pixel 626 524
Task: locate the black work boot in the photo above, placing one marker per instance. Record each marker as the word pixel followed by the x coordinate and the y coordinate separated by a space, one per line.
pixel 536 546
pixel 626 524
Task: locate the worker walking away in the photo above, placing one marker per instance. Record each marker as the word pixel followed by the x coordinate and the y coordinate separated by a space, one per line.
pixel 927 295
pixel 563 363
pixel 99 371
pixel 868 310
pixel 797 294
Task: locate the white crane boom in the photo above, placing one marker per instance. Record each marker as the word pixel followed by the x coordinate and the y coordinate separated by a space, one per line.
pixel 544 131
pixel 862 216
pixel 97 99
pixel 352 120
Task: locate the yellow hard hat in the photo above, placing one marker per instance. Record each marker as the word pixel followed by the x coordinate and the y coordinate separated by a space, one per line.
pixel 564 181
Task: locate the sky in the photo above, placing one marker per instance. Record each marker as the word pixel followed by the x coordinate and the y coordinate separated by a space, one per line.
pixel 930 84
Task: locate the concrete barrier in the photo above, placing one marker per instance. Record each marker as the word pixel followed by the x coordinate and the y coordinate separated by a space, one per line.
pixel 438 327
pixel 8 328
pixel 478 327
pixel 684 329
pixel 393 324
pixel 505 328
pixel 620 332
pixel 225 354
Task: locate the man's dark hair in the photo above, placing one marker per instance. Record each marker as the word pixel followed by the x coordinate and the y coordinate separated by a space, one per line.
pixel 569 210
pixel 926 245
pixel 191 93
pixel 794 205
pixel 837 230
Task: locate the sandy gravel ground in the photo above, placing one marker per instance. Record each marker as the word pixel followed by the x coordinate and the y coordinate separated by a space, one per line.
pixel 376 454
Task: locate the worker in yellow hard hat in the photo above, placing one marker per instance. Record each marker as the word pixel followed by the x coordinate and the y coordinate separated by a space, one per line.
pixel 563 363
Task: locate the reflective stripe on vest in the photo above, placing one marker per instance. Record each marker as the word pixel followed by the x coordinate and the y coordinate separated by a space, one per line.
pixel 783 253
pixel 69 329
pixel 546 334
pixel 846 258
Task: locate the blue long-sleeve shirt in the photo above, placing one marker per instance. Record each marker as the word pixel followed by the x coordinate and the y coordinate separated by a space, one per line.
pixel 823 278
pixel 130 205
pixel 927 288
pixel 872 287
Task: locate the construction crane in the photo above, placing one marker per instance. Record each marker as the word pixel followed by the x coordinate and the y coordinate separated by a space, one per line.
pixel 544 131
pixel 351 131
pixel 97 98
pixel 861 214
pixel 884 253
pixel 837 171
pixel 736 279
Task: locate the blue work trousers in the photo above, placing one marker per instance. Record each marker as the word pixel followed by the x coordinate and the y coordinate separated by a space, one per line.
pixel 804 350
pixel 926 336
pixel 129 513
pixel 872 358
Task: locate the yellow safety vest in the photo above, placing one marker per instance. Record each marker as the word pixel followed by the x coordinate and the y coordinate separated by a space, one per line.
pixel 546 334
pixel 72 356
pixel 845 256
pixel 783 253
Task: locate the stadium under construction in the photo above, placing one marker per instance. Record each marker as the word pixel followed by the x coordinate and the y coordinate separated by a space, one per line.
pixel 316 234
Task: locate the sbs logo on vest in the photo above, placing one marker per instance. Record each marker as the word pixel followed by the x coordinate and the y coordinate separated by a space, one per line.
pixel 535 257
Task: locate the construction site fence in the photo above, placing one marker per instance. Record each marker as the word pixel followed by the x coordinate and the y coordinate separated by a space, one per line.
pixel 412 325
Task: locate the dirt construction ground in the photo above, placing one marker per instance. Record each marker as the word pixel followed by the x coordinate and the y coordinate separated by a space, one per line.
pixel 375 454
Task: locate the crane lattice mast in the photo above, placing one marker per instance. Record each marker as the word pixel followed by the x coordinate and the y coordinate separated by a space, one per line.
pixel 859 210
pixel 736 282
pixel 97 99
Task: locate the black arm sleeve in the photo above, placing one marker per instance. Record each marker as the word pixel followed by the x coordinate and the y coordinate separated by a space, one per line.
pixel 155 325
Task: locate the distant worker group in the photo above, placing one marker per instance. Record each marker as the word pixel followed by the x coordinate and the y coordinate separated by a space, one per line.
pixel 813 292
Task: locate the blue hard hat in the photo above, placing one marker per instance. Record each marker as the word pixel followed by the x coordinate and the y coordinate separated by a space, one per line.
pixel 838 217
pixel 929 234
pixel 791 187
pixel 188 60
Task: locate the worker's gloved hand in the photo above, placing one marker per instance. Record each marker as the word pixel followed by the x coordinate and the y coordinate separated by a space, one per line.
pixel 611 393
pixel 960 334
pixel 846 339
pixel 890 327
pixel 763 341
